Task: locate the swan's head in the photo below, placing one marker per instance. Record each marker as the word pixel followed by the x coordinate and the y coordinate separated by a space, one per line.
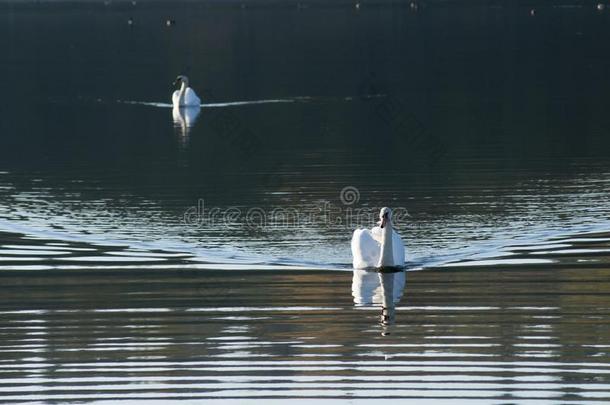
pixel 181 79
pixel 385 217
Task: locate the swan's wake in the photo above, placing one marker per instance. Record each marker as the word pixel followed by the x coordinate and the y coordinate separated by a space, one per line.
pixel 298 99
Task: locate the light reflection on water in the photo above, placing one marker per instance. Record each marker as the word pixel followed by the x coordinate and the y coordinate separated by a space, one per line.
pixel 520 332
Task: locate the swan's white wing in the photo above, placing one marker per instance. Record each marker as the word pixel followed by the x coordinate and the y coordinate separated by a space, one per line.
pixel 376 232
pixel 365 249
pixel 190 98
pixel 191 114
pixel 398 249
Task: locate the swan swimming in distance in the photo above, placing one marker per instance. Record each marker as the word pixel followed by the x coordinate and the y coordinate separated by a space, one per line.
pixel 380 247
pixel 185 96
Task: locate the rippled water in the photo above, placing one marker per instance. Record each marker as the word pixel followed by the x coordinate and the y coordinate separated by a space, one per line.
pixel 501 334
pixel 464 221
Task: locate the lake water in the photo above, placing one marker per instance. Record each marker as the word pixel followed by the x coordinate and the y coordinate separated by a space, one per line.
pixel 152 255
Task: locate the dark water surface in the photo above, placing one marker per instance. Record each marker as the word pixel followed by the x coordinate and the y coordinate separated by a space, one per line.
pixel 148 254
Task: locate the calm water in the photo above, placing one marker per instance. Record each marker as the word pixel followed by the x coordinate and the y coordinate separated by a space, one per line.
pixel 151 254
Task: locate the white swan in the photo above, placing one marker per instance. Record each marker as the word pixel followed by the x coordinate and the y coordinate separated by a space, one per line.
pixel 185 96
pixel 379 247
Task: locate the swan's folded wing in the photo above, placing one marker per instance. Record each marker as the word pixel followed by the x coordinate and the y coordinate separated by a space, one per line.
pixel 398 249
pixel 191 98
pixel 365 249
pixel 377 234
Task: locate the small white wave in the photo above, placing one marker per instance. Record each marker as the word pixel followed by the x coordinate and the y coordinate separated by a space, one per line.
pixel 223 104
pixel 499 262
pixel 297 99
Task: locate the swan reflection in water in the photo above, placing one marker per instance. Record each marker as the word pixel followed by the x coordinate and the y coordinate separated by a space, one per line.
pixel 379 287
pixel 184 119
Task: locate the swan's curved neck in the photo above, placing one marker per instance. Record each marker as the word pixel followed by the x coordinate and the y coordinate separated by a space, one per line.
pixel 182 93
pixel 386 258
